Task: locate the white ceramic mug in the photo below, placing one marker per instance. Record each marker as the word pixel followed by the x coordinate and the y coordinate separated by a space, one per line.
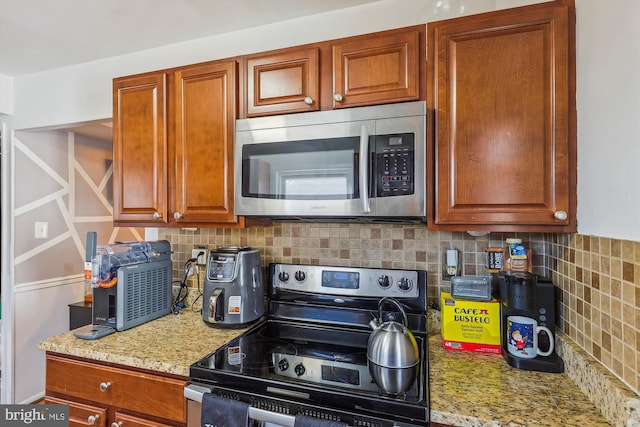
pixel 522 339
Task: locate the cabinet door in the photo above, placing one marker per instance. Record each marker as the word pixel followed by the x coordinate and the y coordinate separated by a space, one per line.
pixel 376 70
pixel 140 149
pixel 81 414
pixel 203 147
pixel 285 82
pixel 502 85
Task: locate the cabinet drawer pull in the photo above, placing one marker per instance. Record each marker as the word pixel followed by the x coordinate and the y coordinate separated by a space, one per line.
pixel 177 215
pixel 157 215
pixel 93 418
pixel 308 100
pixel 105 386
pixel 338 97
pixel 560 215
pixel 116 424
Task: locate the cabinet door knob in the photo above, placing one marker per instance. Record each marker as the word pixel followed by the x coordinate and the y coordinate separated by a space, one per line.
pixel 337 97
pixel 177 215
pixel 93 418
pixel 308 100
pixel 116 424
pixel 560 215
pixel 157 215
pixel 105 386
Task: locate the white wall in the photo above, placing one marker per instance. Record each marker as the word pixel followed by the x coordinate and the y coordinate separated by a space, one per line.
pixel 6 94
pixel 608 98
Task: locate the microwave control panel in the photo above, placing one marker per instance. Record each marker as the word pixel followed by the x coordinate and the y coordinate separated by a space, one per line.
pixel 394 162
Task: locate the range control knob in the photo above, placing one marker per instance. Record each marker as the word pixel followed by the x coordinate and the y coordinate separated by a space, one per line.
pixel 283 276
pixel 300 275
pixel 299 369
pixel 405 284
pixel 384 281
pixel 283 364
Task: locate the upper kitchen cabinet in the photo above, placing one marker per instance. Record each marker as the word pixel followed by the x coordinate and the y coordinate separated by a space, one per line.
pixel 173 146
pixel 378 68
pixel 140 148
pixel 283 82
pixel 501 90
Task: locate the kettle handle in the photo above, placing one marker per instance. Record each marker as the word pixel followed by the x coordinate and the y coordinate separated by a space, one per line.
pixel 384 300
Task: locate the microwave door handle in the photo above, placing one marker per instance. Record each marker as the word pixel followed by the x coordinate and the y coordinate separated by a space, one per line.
pixel 364 168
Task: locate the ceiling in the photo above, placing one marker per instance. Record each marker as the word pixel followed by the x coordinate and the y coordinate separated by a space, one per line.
pixel 38 35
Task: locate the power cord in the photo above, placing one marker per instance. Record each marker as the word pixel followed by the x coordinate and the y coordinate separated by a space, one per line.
pixel 178 302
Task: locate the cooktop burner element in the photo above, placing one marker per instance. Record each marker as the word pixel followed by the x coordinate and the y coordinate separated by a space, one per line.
pixel 312 348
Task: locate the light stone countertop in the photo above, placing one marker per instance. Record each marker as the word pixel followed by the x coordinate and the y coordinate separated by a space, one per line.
pixel 466 389
pixel 478 390
pixel 169 344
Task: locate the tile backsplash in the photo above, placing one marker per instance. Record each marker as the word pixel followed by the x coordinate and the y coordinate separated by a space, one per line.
pixel 598 279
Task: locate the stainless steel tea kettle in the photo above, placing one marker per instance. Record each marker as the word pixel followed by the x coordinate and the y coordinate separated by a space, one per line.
pixel 392 352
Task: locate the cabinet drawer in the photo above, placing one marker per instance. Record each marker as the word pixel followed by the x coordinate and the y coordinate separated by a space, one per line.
pixel 82 415
pixel 143 393
pixel 131 421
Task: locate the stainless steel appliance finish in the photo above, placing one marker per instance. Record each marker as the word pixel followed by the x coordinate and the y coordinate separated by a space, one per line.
pixel 309 355
pixel 233 293
pixel 364 163
pixel 137 288
pixel 392 352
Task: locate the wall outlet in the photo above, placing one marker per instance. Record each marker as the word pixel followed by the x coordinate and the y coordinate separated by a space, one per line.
pixel 202 259
pixel 451 264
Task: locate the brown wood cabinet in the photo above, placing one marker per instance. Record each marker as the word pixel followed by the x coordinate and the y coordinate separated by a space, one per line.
pixel 102 394
pixel 369 69
pixel 283 82
pixel 140 176
pixel 501 87
pixel 173 146
pixel 377 69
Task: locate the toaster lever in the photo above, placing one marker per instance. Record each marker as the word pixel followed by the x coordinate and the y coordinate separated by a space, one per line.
pixel 216 306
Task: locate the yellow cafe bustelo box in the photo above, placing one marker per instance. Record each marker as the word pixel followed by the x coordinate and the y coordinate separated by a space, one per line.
pixel 469 325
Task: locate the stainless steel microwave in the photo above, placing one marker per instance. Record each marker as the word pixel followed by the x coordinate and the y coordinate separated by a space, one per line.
pixel 364 163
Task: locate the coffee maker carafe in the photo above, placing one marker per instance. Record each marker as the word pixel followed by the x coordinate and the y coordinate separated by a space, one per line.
pixel 233 294
pixel 528 296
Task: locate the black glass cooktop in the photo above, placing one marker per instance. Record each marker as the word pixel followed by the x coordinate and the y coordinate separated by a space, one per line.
pixel 291 355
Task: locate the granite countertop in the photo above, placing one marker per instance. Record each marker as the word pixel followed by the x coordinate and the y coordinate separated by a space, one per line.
pixel 473 389
pixel 466 389
pixel 169 344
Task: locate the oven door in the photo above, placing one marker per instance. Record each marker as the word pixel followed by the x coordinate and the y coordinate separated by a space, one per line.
pixel 257 417
pixel 280 409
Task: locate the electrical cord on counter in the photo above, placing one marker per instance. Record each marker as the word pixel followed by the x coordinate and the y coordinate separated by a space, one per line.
pixel 178 302
pixel 198 297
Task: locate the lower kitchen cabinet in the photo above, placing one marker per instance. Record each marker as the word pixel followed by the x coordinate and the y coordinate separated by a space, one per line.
pixel 81 414
pixel 113 395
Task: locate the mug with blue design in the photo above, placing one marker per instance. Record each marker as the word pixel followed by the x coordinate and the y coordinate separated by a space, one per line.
pixel 522 339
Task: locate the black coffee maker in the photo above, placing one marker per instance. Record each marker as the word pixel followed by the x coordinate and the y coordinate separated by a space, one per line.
pixel 526 294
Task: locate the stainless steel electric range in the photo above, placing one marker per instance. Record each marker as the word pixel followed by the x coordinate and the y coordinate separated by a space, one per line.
pixel 309 356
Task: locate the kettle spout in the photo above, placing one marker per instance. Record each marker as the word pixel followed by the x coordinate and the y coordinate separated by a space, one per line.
pixel 374 324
